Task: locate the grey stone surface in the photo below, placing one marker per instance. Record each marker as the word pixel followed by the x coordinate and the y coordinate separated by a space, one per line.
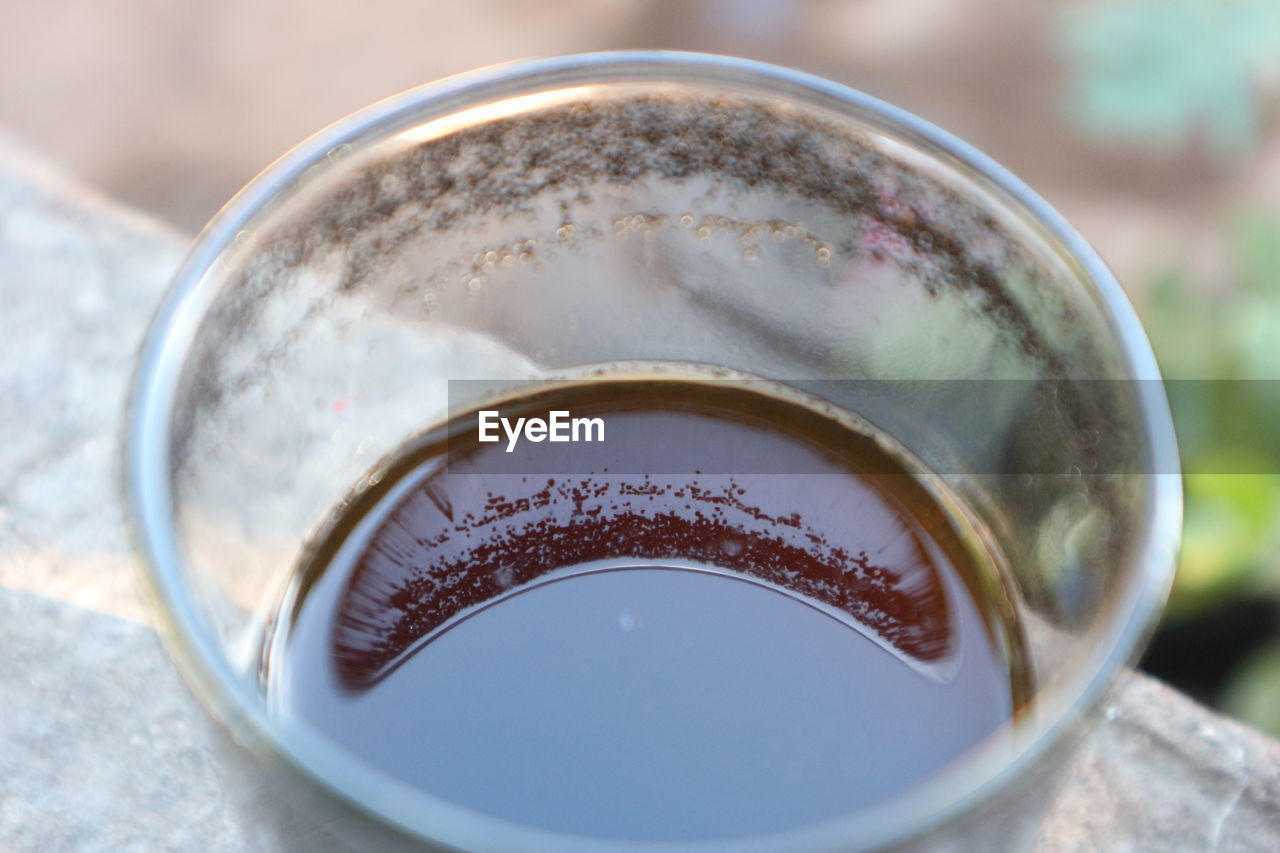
pixel 102 749
pixel 1163 773
pixel 79 278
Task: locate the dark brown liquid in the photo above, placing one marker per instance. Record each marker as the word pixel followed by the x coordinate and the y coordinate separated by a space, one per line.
pixel 606 640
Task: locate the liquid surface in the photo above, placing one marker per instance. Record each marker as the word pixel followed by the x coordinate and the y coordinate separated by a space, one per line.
pixel 608 641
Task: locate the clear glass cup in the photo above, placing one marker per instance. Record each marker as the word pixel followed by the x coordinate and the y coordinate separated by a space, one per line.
pixel 537 218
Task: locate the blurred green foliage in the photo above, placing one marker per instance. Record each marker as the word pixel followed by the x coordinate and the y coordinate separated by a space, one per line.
pixel 1221 347
pixel 1254 691
pixel 1164 75
pixel 1156 71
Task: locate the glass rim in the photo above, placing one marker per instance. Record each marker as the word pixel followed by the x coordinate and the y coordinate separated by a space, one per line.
pixel 194 647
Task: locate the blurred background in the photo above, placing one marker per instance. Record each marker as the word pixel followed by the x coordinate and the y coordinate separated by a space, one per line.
pixel 1152 125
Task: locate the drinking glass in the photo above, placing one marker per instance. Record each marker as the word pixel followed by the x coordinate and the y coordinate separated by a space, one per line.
pixel 549 217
